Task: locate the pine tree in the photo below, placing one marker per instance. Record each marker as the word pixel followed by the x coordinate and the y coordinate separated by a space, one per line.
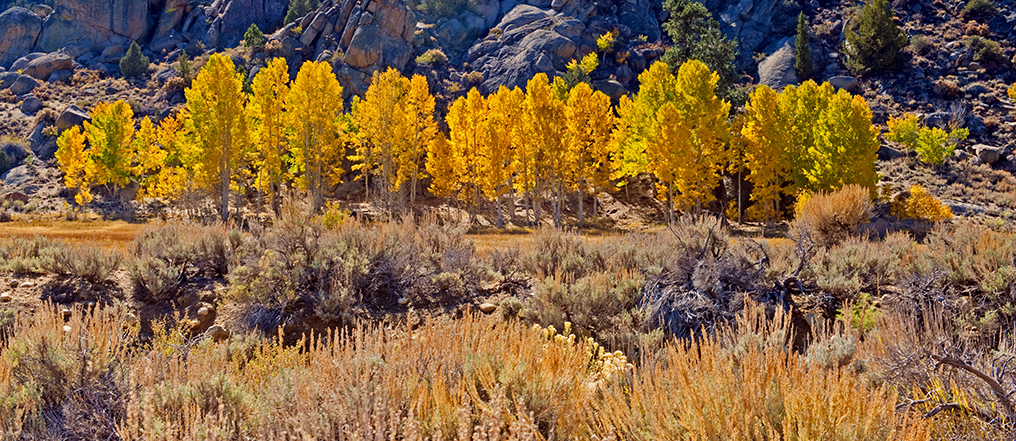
pixel 134 64
pixel 254 39
pixel 697 36
pixel 215 102
pixel 314 139
pixel 875 44
pixel 802 50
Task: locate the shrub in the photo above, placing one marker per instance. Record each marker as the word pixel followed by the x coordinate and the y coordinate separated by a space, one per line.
pixel 5 163
pixel 986 50
pixel 979 8
pixel 919 204
pixel 832 217
pixel 903 130
pixel 41 255
pixel 948 89
pixel 802 51
pixel 920 44
pixel 473 78
pixel 134 64
pixel 1012 92
pixel 254 39
pixel 975 255
pixel 165 256
pixel 934 144
pixel 443 8
pixel 433 57
pixel 875 43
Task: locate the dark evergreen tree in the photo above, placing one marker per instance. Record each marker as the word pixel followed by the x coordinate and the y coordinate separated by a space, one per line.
pixel 802 51
pixel 874 42
pixel 133 64
pixel 697 36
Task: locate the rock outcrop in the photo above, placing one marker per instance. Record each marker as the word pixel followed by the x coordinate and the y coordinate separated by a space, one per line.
pixel 19 29
pixel 755 24
pixel 777 70
pixel 40 65
pixel 93 23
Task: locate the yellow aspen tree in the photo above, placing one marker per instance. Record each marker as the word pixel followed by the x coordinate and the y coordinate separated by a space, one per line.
pixel 444 182
pixel 497 166
pixel 110 136
pixel 541 145
pixel 705 117
pixel 767 132
pixel 637 124
pixel 381 119
pixel 265 111
pixel 419 115
pixel 215 102
pixel 149 159
pixel 76 163
pixel 845 145
pixel 469 137
pixel 313 109
pixel 589 121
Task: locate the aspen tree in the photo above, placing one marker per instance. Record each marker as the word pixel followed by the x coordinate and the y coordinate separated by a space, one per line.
pixel 265 110
pixel 215 102
pixel 313 108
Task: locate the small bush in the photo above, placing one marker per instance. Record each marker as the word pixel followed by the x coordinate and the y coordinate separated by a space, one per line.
pixel 920 44
pixel 165 256
pixel 5 163
pixel 433 57
pixel 919 204
pixel 134 64
pixel 185 67
pixel 948 89
pixel 41 255
pixel 986 50
pixel 298 9
pixel 979 8
pixel 832 217
pixel 975 255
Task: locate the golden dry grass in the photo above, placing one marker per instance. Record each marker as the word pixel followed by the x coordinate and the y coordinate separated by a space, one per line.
pixel 106 234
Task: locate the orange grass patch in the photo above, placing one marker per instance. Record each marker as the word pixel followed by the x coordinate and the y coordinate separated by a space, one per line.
pixel 105 234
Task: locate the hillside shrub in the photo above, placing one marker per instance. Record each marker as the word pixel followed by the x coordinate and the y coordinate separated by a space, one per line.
pixel 975 256
pixel 1012 92
pixel 986 50
pixel 41 255
pixel 298 9
pixel 165 256
pixel 919 204
pixel 874 41
pixel 979 9
pixel 830 218
pixel 134 64
pixel 932 144
pixel 433 57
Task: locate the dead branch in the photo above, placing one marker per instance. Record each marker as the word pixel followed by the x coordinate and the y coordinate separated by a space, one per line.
pixel 997 388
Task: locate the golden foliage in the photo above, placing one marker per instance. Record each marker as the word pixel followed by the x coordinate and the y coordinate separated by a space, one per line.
pixel 832 217
pixel 919 204
pixel 315 139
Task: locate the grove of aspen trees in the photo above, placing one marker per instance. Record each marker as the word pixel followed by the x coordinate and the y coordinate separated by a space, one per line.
pixel 547 143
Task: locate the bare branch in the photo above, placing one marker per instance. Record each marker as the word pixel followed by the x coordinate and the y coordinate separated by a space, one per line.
pixel 997 388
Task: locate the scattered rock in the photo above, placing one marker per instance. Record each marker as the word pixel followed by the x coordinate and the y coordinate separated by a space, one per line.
pixel 844 82
pixel 15 151
pixel 67 329
pixel 42 10
pixel 131 319
pixel 43 66
pixel 60 76
pixel 5 297
pixel 15 196
pixel 66 313
pixel 70 117
pixel 487 308
pixel 886 153
pixel 403 301
pixel 777 70
pixel 19 28
pixel 217 333
pixel 204 311
pixel 26 285
pixel 24 84
pixel 30 104
pixel 987 154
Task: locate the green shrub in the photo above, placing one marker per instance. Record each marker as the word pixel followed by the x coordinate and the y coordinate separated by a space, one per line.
pixel 979 8
pixel 41 255
pixel 254 38
pixel 875 43
pixel 184 66
pixel 5 163
pixel 934 144
pixel 134 64
pixel 802 60
pixel 164 257
pixel 433 57
pixel 986 50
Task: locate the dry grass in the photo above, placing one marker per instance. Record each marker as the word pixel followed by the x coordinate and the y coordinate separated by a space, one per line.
pixel 468 379
pixel 116 235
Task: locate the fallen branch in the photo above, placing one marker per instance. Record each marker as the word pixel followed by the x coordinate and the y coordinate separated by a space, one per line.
pixel 997 388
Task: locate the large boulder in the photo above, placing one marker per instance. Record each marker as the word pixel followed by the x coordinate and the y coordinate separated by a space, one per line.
pixel 19 29
pixel 371 49
pixel 43 66
pixel 550 42
pixel 777 70
pixel 987 154
pixel 754 23
pixel 23 84
pixel 173 14
pixel 95 21
pixel 70 117
pixel 240 14
pixel 640 18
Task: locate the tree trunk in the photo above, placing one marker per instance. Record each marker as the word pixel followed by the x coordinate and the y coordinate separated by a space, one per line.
pixel 500 218
pixel 582 214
